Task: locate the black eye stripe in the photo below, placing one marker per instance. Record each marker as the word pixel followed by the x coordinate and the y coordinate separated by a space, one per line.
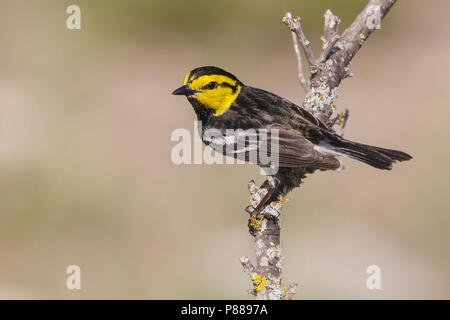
pixel 212 85
pixel 226 84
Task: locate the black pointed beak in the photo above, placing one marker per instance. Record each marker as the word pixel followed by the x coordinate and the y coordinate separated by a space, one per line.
pixel 184 91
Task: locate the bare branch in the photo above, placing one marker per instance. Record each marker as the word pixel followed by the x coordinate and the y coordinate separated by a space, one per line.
pixel 295 26
pixel 301 77
pixel 363 26
pixel 350 42
pixel 330 27
pixel 325 82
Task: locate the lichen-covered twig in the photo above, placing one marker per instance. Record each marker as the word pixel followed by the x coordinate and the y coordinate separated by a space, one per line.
pixel 326 74
pixel 264 225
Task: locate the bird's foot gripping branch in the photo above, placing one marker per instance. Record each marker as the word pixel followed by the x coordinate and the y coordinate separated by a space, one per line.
pixel 326 73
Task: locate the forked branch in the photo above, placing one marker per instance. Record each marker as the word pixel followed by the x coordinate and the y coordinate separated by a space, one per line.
pixel 326 74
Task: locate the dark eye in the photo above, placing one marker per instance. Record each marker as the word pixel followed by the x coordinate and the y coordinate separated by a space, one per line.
pixel 211 85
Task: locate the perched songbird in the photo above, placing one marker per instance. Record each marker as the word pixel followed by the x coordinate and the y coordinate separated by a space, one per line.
pixel 223 102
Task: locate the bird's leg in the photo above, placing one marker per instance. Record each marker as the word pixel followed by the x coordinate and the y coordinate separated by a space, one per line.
pixel 260 196
pixel 257 193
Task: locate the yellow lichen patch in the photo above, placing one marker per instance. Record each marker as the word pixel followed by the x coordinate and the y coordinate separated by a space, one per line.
pixel 284 290
pixel 269 261
pixel 321 38
pixel 259 281
pixel 283 199
pixel 341 118
pixel 255 222
pixel 363 37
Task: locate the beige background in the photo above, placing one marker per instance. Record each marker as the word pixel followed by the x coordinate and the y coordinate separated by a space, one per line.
pixel 86 176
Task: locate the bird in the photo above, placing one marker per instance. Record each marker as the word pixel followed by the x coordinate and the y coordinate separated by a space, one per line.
pixel 227 106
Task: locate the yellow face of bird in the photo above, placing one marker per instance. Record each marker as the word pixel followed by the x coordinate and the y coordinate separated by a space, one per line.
pixel 215 91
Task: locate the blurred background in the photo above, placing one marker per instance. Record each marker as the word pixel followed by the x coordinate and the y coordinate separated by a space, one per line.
pixel 86 176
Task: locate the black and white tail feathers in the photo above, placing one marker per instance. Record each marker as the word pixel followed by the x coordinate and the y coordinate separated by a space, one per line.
pixel 377 157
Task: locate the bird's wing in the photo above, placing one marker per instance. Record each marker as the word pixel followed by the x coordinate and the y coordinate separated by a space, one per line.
pixel 294 151
pixel 269 98
pixel 272 146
